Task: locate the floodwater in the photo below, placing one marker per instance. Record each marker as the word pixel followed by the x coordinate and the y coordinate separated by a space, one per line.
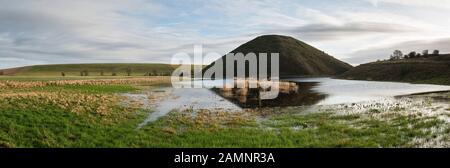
pixel 182 99
pixel 340 91
pixel 308 92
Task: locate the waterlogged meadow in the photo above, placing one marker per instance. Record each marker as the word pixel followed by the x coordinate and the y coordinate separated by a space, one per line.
pixel 94 112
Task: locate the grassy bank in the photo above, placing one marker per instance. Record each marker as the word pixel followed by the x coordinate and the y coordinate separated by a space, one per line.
pixel 424 70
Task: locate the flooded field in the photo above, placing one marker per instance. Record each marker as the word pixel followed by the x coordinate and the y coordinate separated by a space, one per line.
pixel 310 93
pixel 353 91
pixel 147 112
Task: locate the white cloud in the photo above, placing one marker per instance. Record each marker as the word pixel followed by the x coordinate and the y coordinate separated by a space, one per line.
pixel 39 32
pixel 417 3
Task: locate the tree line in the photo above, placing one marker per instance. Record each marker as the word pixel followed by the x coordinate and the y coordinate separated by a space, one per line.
pixel 397 55
pixel 128 72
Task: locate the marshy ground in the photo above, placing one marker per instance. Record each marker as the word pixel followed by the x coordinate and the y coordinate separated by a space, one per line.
pixel 107 113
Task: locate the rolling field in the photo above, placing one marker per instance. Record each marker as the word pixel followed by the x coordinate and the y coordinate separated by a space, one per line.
pixel 92 70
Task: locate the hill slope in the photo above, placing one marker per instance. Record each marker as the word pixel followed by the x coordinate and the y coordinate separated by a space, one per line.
pixel 92 69
pixel 296 58
pixel 433 69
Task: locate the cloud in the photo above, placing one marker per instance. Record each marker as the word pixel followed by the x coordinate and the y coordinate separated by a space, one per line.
pixel 383 52
pixel 347 30
pixel 417 3
pixel 41 32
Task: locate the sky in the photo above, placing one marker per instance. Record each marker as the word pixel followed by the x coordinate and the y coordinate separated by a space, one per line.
pixel 150 31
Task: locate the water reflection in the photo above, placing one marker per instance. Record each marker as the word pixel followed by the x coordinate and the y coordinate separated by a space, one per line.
pixel 354 91
pixel 297 92
pixel 325 91
pixel 291 94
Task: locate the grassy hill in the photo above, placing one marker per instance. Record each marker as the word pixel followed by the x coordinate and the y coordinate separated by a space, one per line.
pixel 91 69
pixel 432 69
pixel 296 58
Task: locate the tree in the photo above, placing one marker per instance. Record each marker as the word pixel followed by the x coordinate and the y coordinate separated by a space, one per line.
pixel 63 74
pixel 128 71
pixel 397 55
pixel 412 54
pixel 101 73
pixel 86 73
pixel 405 57
pixel 155 73
pixel 81 73
pixel 2 73
pixel 436 52
pixel 425 53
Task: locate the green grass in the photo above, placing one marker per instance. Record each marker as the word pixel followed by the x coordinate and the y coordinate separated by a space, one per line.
pixel 49 126
pixel 92 69
pixel 430 70
pixel 437 81
pixel 89 88
pixel 31 122
pixel 53 78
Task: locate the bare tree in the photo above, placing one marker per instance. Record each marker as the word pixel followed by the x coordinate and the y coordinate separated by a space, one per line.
pixel 128 71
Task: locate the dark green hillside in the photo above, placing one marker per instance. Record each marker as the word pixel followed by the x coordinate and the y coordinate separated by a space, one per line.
pixel 433 70
pixel 296 58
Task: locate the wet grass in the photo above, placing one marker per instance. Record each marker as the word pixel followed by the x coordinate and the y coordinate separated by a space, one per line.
pixel 30 122
pixel 50 126
pixel 292 130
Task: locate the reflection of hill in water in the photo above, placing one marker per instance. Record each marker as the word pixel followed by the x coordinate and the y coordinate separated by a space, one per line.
pixel 301 95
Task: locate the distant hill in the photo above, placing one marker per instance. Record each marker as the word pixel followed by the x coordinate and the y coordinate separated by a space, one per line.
pixel 296 58
pixel 432 69
pixel 91 69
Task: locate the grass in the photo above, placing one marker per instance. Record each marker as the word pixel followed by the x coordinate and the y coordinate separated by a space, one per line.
pixel 39 121
pixel 90 88
pixel 430 70
pixel 92 69
pixel 53 78
pixel 437 81
pixel 48 126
